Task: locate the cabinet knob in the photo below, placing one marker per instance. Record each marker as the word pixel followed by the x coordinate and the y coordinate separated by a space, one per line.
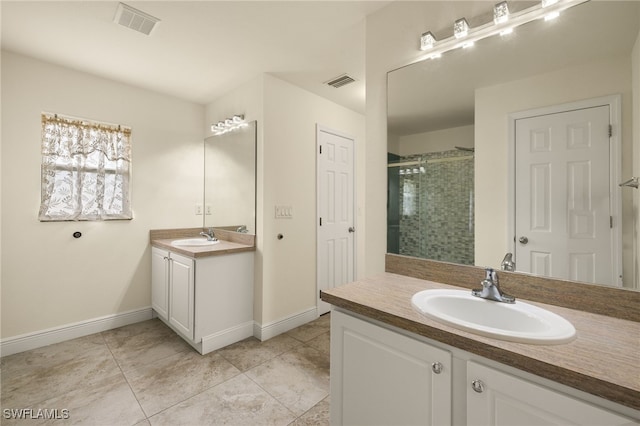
pixel 478 386
pixel 436 367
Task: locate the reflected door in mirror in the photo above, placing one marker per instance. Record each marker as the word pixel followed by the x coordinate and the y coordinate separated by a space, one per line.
pixel 562 196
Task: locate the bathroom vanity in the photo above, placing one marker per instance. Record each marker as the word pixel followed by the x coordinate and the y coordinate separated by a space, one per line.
pixel 204 293
pixel 392 365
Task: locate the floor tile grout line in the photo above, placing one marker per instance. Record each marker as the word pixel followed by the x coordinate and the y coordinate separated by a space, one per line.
pixel 274 397
pixel 126 379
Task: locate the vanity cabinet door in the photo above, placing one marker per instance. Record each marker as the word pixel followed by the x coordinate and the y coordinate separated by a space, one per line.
pixel 379 377
pixel 181 294
pixel 160 282
pixel 500 399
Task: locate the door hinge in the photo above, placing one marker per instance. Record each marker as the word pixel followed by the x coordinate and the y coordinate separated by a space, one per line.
pixel 610 130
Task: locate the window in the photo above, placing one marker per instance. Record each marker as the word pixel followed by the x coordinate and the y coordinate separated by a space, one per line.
pixel 85 170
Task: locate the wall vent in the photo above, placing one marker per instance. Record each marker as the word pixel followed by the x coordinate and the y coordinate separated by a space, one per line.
pixel 340 81
pixel 135 19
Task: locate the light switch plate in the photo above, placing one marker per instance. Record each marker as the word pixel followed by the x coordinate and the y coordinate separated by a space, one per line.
pixel 284 212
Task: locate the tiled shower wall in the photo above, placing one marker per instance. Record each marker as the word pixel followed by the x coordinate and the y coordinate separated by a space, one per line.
pixel 436 206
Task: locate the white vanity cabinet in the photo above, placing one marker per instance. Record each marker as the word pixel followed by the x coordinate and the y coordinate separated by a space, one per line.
pixel 379 377
pixel 385 376
pixel 497 398
pixel 208 300
pixel 172 290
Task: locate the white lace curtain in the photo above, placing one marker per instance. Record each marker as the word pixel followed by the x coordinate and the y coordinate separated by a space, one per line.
pixel 85 170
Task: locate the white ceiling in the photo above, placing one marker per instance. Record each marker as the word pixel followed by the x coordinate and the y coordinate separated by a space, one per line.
pixel 201 49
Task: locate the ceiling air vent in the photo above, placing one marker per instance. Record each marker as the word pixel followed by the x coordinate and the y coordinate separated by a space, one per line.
pixel 340 81
pixel 135 19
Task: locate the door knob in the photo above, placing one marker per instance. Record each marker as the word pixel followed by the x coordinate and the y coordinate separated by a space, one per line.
pixel 352 229
pixel 524 240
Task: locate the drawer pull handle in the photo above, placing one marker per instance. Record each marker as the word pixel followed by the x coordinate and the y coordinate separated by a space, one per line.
pixel 478 386
pixel 436 367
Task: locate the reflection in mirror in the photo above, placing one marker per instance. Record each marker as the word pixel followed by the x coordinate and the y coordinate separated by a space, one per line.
pixel 230 180
pixel 444 206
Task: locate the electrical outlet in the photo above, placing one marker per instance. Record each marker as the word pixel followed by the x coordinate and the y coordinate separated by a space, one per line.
pixel 207 209
pixel 198 209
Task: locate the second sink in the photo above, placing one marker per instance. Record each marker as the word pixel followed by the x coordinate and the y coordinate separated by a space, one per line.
pixel 194 242
pixel 518 322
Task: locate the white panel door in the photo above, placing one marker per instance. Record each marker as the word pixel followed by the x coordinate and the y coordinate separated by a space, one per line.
pixel 562 197
pixel 336 224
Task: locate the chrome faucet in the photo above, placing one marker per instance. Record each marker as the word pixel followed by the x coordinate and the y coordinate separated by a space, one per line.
pixel 491 289
pixel 507 263
pixel 210 235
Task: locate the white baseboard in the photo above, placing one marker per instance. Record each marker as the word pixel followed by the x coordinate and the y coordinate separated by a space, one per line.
pixel 267 331
pixel 38 339
pixel 226 337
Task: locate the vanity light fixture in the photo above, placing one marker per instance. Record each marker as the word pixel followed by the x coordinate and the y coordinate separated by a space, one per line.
pixel 504 22
pixel 460 28
pixel 500 13
pixel 229 125
pixel 427 41
pixel 551 15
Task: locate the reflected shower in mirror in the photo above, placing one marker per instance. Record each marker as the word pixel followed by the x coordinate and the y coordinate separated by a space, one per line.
pixel 466 99
pixel 230 180
pixel 431 205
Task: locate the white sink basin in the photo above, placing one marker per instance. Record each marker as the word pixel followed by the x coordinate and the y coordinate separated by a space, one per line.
pixel 518 322
pixel 193 242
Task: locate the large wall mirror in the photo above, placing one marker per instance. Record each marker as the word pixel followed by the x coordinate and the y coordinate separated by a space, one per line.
pixel 456 134
pixel 230 180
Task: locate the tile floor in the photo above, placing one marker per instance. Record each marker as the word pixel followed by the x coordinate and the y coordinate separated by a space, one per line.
pixel 144 374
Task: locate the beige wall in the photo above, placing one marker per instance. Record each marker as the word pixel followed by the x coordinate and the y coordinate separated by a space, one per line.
pixel 285 280
pixel 49 278
pixel 493 106
pixel 436 141
pixel 289 178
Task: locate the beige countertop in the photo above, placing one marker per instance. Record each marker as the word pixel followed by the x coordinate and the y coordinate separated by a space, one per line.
pixel 603 360
pixel 229 242
pixel 223 247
